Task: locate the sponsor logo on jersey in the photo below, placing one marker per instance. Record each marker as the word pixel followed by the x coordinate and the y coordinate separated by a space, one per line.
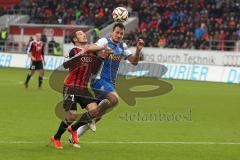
pixel 116 58
pixel 86 59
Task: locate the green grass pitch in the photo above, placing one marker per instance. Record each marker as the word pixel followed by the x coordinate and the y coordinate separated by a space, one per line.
pixel 212 132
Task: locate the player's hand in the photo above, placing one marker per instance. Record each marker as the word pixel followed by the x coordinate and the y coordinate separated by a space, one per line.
pixel 107 49
pixel 140 44
pixel 33 58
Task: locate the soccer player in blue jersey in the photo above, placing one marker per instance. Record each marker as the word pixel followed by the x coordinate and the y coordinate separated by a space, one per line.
pixel 108 74
pixel 105 86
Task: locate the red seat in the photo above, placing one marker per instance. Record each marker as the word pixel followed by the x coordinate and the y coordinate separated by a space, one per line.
pixel 8 3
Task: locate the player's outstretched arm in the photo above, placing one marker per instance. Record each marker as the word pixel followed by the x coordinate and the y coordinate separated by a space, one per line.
pixel 135 57
pixel 95 48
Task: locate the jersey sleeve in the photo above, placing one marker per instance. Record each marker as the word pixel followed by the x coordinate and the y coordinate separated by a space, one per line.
pixel 29 49
pixel 102 42
pixel 69 64
pixel 126 52
pixel 72 53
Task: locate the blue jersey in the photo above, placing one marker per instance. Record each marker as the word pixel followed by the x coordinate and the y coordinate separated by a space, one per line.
pixel 111 61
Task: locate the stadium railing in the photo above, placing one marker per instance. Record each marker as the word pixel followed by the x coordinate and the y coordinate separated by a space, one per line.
pixel 221 45
pixel 18 11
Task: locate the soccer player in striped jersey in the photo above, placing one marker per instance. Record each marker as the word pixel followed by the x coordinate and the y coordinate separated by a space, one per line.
pixel 82 65
pixel 36 53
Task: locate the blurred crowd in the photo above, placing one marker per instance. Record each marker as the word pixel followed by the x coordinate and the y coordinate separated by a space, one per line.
pixel 84 12
pixel 187 24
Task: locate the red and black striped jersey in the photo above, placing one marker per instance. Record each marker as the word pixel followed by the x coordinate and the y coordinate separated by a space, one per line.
pixel 83 67
pixel 36 49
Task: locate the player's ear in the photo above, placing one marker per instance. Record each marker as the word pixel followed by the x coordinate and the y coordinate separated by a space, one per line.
pixel 75 39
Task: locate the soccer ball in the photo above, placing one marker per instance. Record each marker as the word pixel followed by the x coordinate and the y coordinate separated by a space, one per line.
pixel 120 14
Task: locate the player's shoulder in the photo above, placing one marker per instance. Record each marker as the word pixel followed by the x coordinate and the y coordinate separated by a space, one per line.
pixel 102 41
pixel 124 45
pixel 74 51
pixel 32 42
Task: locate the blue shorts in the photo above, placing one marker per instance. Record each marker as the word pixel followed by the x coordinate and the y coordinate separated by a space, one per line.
pixel 102 87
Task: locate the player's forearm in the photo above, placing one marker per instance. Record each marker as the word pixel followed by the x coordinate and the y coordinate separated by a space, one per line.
pixel 94 48
pixel 134 59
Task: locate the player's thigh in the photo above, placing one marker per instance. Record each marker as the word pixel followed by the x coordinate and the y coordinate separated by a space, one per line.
pixel 39 65
pixel 70 109
pixel 86 99
pixel 113 98
pixel 101 88
pixel 69 105
pixel 33 65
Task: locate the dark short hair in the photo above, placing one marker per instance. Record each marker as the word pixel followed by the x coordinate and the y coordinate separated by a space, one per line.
pixel 73 35
pixel 120 25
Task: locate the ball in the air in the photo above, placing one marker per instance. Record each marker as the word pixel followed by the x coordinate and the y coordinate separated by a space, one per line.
pixel 120 14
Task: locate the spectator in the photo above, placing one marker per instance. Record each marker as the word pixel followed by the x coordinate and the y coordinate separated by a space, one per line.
pixel 162 42
pixel 238 32
pixel 95 33
pixel 201 35
pixel 67 37
pixel 51 45
pixel 56 50
pixel 3 39
pixel 44 38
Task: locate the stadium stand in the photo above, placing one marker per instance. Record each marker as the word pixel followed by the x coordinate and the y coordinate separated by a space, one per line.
pixel 8 3
pixel 187 24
